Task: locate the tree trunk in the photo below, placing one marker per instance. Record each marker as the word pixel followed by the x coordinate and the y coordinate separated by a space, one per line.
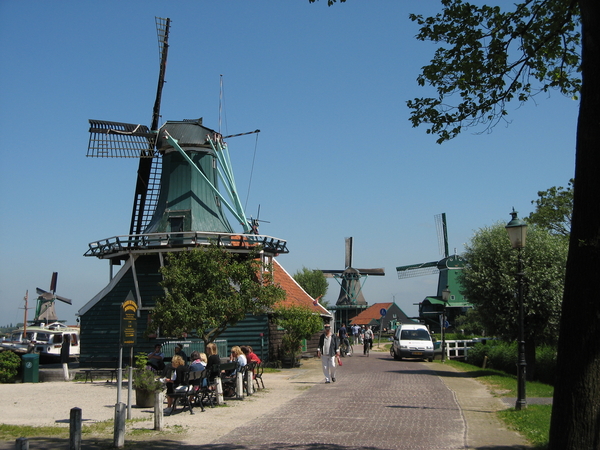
pixel 576 408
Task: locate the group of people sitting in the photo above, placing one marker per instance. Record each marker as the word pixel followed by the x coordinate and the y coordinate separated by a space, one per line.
pixel 174 373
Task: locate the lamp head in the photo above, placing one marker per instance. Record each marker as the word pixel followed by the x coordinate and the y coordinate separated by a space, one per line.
pixel 517 231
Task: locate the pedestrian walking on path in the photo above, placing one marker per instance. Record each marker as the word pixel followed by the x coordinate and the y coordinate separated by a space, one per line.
pixel 368 340
pixel 328 351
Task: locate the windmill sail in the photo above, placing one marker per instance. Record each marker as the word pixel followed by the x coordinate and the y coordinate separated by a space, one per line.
pixel 147 187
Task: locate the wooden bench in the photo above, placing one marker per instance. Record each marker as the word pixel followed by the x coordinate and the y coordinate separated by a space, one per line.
pixel 90 373
pixel 108 368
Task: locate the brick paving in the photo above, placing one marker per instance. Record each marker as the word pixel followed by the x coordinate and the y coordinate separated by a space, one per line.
pixel 375 403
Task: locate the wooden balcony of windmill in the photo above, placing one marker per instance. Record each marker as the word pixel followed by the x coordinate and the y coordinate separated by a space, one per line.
pixel 116 246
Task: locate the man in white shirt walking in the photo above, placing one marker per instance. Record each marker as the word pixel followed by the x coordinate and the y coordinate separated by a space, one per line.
pixel 328 350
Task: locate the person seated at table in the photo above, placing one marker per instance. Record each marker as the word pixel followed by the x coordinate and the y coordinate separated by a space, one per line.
pixel 156 359
pixel 213 363
pixel 198 361
pixel 174 376
pixel 237 356
pixel 250 355
pixel 179 351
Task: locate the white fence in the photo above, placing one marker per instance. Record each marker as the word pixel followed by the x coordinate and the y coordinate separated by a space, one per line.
pixel 460 348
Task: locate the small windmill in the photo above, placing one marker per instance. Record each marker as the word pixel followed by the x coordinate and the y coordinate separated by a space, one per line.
pixel 350 279
pixel 45 311
pixel 448 269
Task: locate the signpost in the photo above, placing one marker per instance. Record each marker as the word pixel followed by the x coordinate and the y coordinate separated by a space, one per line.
pixel 382 312
pixel 128 339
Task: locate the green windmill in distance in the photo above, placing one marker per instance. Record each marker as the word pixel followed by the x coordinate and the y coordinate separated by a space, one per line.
pixel 351 301
pixel 448 269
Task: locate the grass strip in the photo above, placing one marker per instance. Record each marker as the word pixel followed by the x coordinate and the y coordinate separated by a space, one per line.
pixel 533 422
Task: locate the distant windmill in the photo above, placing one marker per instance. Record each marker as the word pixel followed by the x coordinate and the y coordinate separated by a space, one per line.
pixel 448 269
pixel 350 279
pixel 45 311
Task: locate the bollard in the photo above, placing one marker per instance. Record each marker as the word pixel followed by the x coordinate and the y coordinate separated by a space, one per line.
pixel 249 387
pixel 22 444
pixel 119 436
pixel 75 429
pixel 220 400
pixel 158 410
pixel 239 387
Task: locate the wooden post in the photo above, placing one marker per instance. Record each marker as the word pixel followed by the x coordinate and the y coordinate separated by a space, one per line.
pixel 75 429
pixel 220 400
pixel 130 384
pixel 22 444
pixel 158 410
pixel 119 435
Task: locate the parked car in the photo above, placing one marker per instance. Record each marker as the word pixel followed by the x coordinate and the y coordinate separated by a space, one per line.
pixel 412 341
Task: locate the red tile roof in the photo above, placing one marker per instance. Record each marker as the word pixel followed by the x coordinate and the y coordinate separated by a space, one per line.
pixel 370 314
pixel 296 296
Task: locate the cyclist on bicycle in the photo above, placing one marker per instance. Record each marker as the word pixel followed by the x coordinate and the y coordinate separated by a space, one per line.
pixel 367 340
pixel 344 342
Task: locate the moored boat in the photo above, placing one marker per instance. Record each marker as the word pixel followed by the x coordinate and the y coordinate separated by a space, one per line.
pixel 45 339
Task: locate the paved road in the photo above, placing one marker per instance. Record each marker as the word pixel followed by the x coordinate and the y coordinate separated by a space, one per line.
pixel 376 403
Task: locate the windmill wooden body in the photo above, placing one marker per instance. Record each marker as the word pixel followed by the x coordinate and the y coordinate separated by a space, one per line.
pixel 448 269
pixel 351 300
pixel 184 183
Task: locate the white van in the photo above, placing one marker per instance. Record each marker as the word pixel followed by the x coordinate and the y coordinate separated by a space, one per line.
pixel 412 341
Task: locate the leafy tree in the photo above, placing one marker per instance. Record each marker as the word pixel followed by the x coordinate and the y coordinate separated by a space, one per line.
pixel 298 323
pixel 495 57
pixel 489 281
pixel 471 323
pixel 313 282
pixel 554 209
pixel 208 290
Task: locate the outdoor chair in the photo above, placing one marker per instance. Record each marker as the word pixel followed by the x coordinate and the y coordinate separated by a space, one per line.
pixel 182 394
pixel 258 373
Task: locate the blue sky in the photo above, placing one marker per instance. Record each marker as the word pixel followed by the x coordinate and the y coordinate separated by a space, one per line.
pixel 336 156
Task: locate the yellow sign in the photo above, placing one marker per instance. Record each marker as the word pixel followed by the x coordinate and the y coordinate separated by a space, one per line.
pixel 129 321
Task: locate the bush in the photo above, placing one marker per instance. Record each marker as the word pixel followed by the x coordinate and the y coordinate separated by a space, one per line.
pixel 546 364
pixel 503 356
pixel 9 366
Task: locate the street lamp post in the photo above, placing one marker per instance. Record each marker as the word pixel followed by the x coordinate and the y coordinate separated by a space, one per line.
pixel 445 298
pixel 517 232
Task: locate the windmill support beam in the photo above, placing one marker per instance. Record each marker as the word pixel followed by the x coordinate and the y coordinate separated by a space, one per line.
pixel 239 215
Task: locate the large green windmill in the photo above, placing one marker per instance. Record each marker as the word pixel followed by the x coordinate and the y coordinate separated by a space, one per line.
pixel 184 183
pixel 448 269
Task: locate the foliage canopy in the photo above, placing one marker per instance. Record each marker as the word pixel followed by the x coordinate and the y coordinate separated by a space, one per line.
pixel 313 282
pixel 489 282
pixel 298 323
pixel 488 57
pixel 208 290
pixel 554 210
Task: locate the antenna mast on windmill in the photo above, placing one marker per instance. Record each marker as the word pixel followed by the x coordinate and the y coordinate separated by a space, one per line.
pixel 351 300
pixel 448 269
